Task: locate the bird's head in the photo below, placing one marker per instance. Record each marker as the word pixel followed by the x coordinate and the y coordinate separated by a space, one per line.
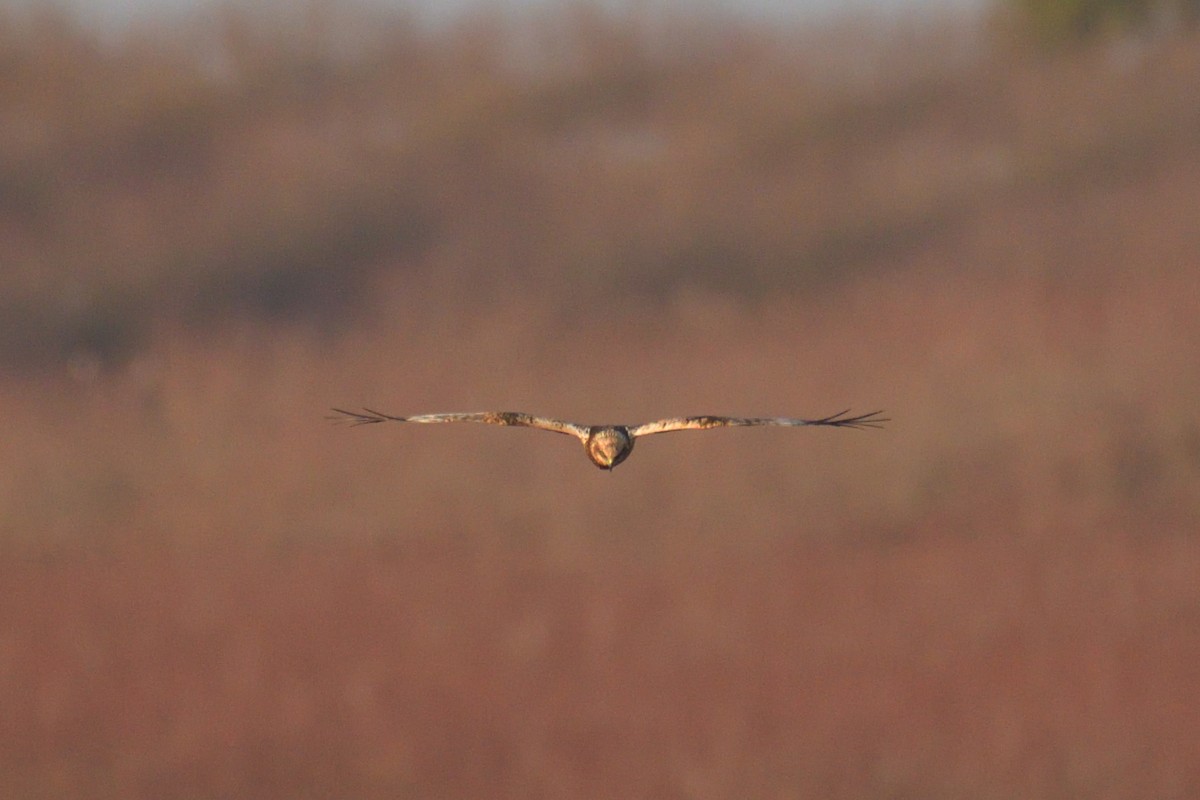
pixel 608 446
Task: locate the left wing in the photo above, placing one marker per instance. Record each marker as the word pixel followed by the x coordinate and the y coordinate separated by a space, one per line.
pixel 839 420
pixel 515 418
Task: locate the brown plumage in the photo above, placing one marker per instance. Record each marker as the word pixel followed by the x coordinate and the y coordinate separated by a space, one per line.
pixel 609 445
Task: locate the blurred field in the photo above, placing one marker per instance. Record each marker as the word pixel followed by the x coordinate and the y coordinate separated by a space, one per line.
pixel 208 591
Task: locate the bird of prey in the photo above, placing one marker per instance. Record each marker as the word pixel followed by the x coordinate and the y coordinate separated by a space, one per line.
pixel 609 445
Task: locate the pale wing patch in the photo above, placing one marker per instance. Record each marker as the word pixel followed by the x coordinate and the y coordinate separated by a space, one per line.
pixel 839 420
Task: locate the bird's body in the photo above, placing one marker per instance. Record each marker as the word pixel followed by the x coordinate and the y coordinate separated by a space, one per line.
pixel 609 445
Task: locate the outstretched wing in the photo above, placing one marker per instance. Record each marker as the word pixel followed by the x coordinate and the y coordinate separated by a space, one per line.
pixel 839 420
pixel 367 417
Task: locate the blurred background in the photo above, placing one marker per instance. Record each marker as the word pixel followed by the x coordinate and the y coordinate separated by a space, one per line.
pixel 219 220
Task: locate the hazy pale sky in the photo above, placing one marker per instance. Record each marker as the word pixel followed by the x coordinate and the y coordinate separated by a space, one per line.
pixel 118 12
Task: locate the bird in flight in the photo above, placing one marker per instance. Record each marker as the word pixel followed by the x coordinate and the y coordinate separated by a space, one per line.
pixel 609 445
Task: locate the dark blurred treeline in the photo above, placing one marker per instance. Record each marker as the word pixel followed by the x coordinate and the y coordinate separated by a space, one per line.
pixel 1066 22
pixel 285 168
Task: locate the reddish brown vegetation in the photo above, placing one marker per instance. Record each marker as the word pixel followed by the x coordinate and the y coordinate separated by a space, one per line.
pixel 207 591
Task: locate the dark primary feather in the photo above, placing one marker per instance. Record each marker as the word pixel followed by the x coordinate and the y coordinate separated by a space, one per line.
pixel 364 417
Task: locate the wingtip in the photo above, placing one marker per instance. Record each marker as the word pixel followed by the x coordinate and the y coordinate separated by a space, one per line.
pixel 355 418
pixel 871 419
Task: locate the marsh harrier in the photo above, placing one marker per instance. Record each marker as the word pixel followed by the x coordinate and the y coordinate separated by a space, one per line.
pixel 609 445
